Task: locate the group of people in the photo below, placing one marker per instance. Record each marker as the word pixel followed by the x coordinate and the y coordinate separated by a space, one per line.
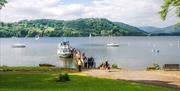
pixel 105 65
pixel 87 63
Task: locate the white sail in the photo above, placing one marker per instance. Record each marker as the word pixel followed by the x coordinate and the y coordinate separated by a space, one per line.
pixel 90 35
pixel 37 37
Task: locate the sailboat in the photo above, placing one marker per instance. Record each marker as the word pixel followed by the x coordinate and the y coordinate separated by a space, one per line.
pixel 37 37
pixel 112 44
pixel 90 35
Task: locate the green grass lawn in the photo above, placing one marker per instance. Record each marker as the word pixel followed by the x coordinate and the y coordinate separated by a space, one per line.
pixel 21 81
pixel 36 68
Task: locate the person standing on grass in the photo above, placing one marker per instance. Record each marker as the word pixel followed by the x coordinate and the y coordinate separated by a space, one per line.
pixel 79 64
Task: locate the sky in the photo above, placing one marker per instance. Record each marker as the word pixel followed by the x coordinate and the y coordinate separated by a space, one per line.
pixel 134 12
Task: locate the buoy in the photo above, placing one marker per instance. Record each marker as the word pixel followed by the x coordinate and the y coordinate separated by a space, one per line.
pixel 155 50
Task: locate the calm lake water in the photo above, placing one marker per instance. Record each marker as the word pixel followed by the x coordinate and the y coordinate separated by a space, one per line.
pixel 133 52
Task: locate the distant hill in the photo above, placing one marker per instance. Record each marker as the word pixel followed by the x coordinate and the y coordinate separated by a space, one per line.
pixel 130 28
pixel 170 30
pixel 151 29
pixel 57 28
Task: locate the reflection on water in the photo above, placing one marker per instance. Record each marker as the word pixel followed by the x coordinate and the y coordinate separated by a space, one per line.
pixel 66 62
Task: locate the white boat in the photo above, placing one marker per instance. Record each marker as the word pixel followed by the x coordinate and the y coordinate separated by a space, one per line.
pixel 64 50
pixel 19 45
pixel 112 45
pixel 90 35
pixel 13 37
pixel 37 37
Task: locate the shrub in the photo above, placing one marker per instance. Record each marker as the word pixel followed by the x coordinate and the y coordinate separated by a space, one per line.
pixel 150 68
pixel 63 77
pixel 157 66
pixel 154 67
pixel 114 66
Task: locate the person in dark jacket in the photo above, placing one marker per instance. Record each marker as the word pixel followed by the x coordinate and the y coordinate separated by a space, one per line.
pixel 107 65
pixel 85 60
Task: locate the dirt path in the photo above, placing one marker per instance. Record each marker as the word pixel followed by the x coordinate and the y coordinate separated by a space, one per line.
pixel 162 78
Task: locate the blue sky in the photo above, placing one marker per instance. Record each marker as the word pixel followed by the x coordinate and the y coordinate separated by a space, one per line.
pixel 133 12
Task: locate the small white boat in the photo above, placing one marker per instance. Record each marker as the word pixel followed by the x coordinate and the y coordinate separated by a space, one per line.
pixel 19 45
pixel 37 37
pixel 13 37
pixel 90 35
pixel 64 50
pixel 112 45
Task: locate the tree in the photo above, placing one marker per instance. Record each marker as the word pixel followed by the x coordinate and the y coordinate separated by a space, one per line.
pixel 2 3
pixel 75 28
pixel 168 6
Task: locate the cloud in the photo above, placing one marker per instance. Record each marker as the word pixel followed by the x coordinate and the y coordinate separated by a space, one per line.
pixel 134 12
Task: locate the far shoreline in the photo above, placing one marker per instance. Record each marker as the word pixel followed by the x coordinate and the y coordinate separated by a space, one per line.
pixel 91 37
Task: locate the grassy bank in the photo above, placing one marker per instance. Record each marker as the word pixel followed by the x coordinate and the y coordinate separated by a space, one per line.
pixel 26 81
pixel 35 69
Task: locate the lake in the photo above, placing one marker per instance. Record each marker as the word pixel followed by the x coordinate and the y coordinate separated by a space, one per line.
pixel 132 53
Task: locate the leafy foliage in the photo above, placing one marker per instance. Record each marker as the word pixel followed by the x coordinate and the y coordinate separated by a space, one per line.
pixel 63 77
pixel 157 66
pixel 153 67
pixel 165 8
pixel 2 3
pixel 114 66
pixel 75 28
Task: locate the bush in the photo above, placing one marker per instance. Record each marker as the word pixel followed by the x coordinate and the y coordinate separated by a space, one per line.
pixel 63 77
pixel 154 67
pixel 150 68
pixel 157 66
pixel 115 66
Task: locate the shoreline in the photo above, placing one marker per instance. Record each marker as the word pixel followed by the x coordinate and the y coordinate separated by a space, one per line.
pixel 93 36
